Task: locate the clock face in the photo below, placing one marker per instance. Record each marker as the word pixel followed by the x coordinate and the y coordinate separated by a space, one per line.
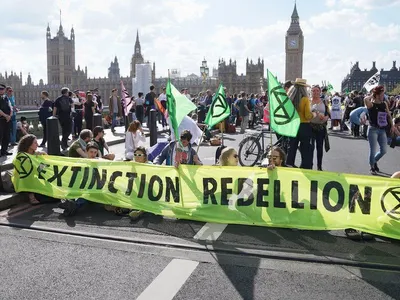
pixel 293 43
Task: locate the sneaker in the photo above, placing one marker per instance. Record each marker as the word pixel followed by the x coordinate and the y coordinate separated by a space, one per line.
pixel 372 171
pixel 353 234
pixel 135 214
pixel 71 209
pixel 366 236
pixel 63 203
pixel 376 167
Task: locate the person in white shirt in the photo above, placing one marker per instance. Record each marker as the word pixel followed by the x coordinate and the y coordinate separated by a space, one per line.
pixel 336 110
pixel 163 100
pixel 134 137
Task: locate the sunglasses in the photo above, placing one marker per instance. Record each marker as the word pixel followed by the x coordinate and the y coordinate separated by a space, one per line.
pixel 140 155
pixel 273 157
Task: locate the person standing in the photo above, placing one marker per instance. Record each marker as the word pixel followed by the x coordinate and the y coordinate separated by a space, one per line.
pixel 90 107
pixel 5 121
pixel 163 101
pixel 115 108
pixel 379 118
pixel 318 124
pixel 78 115
pixel 336 111
pixel 244 111
pixel 62 109
pixel 149 101
pixel 11 98
pixel 299 95
pixel 140 108
pixel 45 111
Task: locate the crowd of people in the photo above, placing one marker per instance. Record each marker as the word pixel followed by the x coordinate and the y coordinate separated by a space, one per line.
pixel 374 115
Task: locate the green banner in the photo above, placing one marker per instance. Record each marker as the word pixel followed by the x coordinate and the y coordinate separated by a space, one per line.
pixel 284 197
pixel 219 109
pixel 284 117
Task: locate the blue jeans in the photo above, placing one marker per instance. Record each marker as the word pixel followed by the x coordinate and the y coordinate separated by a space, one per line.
pixel 376 135
pixel 80 202
pixel 13 132
pixel 114 120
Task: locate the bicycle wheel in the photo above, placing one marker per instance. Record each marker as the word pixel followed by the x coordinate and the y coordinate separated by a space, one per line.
pixel 249 151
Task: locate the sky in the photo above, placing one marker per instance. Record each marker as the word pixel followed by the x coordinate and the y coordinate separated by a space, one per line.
pixel 180 33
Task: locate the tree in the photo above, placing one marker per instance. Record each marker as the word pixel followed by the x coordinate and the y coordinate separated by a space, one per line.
pixel 396 90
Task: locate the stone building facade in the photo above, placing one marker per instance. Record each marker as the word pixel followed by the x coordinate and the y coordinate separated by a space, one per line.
pixel 356 79
pixel 294 47
pixel 61 71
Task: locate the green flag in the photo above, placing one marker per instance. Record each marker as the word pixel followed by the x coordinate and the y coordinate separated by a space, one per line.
pixel 178 106
pixel 330 88
pixel 284 118
pixel 219 109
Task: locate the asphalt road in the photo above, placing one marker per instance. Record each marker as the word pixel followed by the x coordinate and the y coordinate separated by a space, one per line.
pixel 97 255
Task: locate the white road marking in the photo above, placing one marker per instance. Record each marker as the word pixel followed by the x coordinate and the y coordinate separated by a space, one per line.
pixel 167 284
pixel 210 232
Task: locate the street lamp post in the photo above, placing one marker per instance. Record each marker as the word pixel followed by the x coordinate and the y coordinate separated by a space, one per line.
pixel 204 70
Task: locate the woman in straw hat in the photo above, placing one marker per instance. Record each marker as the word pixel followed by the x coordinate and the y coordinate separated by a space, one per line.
pixel 299 96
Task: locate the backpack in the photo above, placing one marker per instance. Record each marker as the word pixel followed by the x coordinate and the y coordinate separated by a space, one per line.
pixel 7 184
pixel 65 104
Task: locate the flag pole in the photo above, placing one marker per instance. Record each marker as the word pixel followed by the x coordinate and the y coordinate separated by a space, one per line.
pixel 201 138
pixel 270 111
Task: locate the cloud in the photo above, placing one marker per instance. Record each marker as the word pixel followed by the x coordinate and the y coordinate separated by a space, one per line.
pixel 330 3
pixel 370 4
pixel 184 10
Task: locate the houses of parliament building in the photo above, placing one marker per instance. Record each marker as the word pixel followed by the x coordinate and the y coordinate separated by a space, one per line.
pixel 61 71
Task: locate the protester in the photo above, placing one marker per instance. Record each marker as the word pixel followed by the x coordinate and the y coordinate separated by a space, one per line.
pixel 358 117
pixel 149 102
pixel 275 158
pixel 78 148
pixel 5 121
pixel 139 106
pixel 90 108
pixel 45 111
pixel 72 206
pixel 394 139
pixel 191 125
pixel 228 157
pixel 22 128
pixel 318 124
pixel 98 139
pixel 115 108
pixel 336 111
pixel 163 100
pixel 29 144
pixel 62 109
pixel 176 153
pixel 299 96
pixel 78 113
pixel 141 158
pixel 11 98
pixel 244 111
pixel 134 136
pixel 379 118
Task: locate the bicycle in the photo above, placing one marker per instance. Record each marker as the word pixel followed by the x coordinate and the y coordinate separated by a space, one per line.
pixel 251 151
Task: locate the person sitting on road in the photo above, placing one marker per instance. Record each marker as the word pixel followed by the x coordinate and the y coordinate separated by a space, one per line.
pixel 141 158
pixel 394 139
pixel 176 153
pixel 78 148
pixel 275 158
pixel 71 206
pixel 134 136
pixel 29 144
pixel 98 139
pixel 228 157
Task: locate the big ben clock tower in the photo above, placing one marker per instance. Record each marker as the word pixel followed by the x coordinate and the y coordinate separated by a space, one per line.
pixel 294 47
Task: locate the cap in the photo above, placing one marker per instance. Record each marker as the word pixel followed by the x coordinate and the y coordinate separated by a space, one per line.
pixel 2 86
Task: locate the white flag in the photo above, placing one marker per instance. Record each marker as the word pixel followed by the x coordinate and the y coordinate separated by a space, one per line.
pixel 372 82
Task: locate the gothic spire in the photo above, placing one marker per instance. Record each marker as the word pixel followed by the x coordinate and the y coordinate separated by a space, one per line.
pixel 295 15
pixel 60 30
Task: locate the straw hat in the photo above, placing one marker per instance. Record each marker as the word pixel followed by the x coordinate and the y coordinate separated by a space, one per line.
pixel 302 82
